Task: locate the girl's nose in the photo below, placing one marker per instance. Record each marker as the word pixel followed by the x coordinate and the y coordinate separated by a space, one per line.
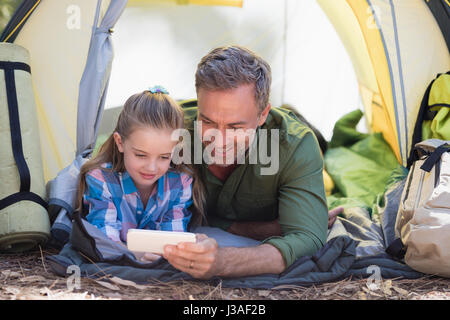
pixel 151 166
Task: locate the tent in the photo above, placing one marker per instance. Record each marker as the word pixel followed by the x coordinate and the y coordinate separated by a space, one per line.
pixel 396 48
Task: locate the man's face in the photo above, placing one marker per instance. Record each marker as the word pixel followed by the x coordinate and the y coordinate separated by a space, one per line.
pixel 227 111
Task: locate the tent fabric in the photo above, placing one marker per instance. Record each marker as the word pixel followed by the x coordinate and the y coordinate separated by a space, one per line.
pixel 19 18
pixel 94 82
pixel 441 11
pixel 58 56
pixel 62 200
pixel 234 3
pixel 377 35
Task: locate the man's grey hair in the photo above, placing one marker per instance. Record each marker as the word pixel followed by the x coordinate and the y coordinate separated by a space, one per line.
pixel 231 66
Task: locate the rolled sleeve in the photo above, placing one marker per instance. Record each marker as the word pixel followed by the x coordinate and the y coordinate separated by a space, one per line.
pixel 303 214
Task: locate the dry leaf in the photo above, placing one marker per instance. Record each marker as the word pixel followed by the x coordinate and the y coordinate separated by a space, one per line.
pixel 112 295
pixel 11 290
pixel 11 274
pixel 387 287
pixel 343 294
pixel 362 295
pixel 370 292
pixel 350 287
pixel 434 295
pixel 400 290
pixel 330 292
pixel 108 285
pixel 263 293
pixel 127 283
pixel 32 279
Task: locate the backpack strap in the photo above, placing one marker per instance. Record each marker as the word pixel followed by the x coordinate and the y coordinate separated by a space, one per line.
pixel 16 137
pixel 435 156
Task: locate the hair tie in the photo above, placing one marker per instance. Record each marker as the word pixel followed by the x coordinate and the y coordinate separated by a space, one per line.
pixel 158 89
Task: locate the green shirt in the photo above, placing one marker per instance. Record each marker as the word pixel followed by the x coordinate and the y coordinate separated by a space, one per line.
pixel 295 194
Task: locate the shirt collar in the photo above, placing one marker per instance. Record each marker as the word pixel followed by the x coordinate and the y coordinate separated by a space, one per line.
pixel 128 184
pixel 129 187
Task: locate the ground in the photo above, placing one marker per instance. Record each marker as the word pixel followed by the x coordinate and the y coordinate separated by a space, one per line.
pixel 28 276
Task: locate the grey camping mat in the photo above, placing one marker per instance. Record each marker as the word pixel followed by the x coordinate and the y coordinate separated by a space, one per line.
pixel 355 247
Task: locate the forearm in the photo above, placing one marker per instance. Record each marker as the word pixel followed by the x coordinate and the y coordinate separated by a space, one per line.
pixel 236 262
pixel 256 230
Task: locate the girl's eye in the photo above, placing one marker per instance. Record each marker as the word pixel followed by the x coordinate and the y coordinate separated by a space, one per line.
pixel 165 157
pixel 140 155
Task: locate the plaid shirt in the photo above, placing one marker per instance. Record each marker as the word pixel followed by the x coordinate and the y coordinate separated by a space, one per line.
pixel 115 204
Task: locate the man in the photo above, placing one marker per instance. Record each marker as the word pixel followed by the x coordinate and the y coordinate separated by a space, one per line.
pixel 286 209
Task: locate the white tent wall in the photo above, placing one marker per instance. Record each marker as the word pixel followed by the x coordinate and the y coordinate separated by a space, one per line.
pixel 57 35
pixel 163 43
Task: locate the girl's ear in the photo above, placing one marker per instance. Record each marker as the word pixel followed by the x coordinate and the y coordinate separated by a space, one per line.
pixel 118 141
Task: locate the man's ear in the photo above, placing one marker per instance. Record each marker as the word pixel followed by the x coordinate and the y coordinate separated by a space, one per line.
pixel 264 115
pixel 118 141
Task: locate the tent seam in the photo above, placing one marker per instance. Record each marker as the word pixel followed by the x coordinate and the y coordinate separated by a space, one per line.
pixel 391 75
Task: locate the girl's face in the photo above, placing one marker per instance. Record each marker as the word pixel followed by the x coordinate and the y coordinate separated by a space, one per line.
pixel 147 153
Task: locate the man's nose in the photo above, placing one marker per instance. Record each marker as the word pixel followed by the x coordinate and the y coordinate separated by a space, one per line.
pixel 226 138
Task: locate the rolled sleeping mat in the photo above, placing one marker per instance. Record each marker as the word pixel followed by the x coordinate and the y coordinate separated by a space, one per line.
pixel 24 221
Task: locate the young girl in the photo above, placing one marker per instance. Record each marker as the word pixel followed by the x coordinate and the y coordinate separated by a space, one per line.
pixel 131 183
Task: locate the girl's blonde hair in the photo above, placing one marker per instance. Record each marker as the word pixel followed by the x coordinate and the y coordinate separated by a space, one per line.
pixel 145 109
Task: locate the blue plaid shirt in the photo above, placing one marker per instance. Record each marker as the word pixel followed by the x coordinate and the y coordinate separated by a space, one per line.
pixel 115 204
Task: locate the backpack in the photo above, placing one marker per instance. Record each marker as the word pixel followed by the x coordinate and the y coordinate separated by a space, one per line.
pixel 433 118
pixel 423 219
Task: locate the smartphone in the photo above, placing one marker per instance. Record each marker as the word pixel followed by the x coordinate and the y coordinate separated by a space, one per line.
pixel 141 240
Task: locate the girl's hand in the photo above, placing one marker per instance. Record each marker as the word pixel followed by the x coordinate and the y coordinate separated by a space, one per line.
pixel 147 256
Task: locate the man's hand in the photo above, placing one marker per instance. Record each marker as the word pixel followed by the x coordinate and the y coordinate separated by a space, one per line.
pixel 332 215
pixel 199 259
pixel 204 260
